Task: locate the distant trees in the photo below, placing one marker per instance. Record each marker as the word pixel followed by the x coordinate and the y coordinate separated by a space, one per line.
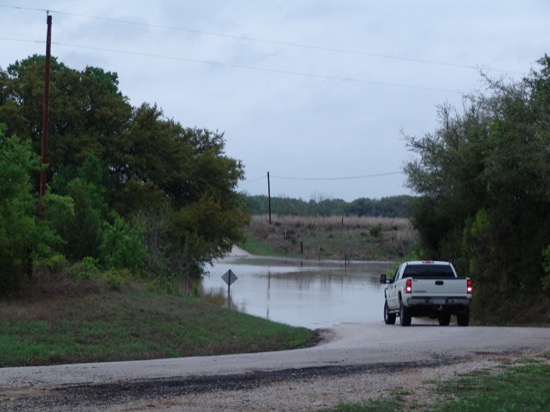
pixel 127 187
pixel 393 206
pixel 484 177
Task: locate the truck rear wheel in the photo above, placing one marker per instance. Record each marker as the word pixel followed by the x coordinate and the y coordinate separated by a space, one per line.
pixel 463 319
pixel 444 319
pixel 404 315
pixel 389 318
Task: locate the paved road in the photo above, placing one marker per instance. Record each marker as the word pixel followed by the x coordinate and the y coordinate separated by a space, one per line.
pixel 347 344
pixel 355 361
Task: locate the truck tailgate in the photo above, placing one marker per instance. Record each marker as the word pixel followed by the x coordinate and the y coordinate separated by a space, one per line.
pixel 438 287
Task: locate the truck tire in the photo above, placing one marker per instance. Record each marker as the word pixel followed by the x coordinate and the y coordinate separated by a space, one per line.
pixel 404 315
pixel 444 319
pixel 389 318
pixel 463 319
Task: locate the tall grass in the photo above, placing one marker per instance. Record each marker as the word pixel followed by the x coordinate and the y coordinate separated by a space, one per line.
pixel 349 221
pixel 333 237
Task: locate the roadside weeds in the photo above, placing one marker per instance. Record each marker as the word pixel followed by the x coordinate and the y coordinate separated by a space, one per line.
pixel 505 383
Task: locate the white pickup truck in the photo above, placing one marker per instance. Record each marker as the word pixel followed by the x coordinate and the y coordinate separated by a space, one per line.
pixel 427 289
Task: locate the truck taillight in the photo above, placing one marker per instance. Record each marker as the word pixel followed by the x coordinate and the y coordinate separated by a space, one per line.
pixel 409 286
pixel 469 287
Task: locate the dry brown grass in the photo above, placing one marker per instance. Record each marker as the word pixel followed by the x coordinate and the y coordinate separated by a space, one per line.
pixel 349 221
pixel 334 237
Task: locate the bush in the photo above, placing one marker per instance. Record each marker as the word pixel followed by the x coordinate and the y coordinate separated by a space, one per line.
pixel 56 263
pixel 122 247
pixel 375 230
pixel 117 278
pixel 86 269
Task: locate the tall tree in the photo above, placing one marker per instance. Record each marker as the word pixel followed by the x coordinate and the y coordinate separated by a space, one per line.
pixel 182 178
pixel 108 159
pixel 86 111
pixel 484 176
pixel 19 233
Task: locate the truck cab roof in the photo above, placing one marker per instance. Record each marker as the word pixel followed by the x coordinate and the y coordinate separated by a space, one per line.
pixel 428 262
pixel 428 269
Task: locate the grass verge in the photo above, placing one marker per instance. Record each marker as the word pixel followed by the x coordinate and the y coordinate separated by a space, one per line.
pixel 515 388
pixel 521 386
pixel 130 325
pixel 257 248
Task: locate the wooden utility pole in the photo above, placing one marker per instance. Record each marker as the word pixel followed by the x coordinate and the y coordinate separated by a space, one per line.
pixel 269 197
pixel 45 121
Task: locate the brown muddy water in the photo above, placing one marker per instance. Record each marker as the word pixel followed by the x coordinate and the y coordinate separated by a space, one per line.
pixel 312 294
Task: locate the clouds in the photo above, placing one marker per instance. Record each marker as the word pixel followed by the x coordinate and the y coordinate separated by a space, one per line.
pixel 303 89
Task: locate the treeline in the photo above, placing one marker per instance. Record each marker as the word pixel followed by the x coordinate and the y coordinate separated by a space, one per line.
pixel 393 206
pixel 130 192
pixel 484 177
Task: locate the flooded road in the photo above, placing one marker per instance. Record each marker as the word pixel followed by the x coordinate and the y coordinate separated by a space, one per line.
pixel 305 293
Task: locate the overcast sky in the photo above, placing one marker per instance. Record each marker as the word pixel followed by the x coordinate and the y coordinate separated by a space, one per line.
pixel 316 92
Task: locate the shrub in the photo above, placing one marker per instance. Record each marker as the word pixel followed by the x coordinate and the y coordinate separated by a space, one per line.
pixel 375 230
pixel 56 263
pixel 86 269
pixel 122 247
pixel 116 278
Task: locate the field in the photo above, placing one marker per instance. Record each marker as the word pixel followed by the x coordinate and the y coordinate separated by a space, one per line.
pixel 334 237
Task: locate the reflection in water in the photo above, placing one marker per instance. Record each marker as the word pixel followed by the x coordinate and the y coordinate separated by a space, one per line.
pixel 302 293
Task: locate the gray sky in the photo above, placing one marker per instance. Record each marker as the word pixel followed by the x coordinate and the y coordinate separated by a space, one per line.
pixel 313 91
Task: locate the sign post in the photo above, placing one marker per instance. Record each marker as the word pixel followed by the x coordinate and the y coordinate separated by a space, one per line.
pixel 229 277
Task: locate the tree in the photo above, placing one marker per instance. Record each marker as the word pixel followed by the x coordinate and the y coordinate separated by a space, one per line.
pixel 86 111
pixel 108 160
pixel 178 177
pixel 394 206
pixel 484 179
pixel 18 228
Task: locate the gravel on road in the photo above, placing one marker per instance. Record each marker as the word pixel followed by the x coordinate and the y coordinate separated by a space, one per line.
pixel 354 363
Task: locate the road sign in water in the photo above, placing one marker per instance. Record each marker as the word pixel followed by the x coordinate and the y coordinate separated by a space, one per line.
pixel 229 277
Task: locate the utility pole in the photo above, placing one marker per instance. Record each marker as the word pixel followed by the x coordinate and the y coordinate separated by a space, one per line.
pixel 45 121
pixel 269 197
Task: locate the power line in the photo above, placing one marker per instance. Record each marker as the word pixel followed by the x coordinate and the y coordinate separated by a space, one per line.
pixel 337 178
pixel 268 41
pixel 248 181
pixel 281 43
pixel 20 40
pixel 243 67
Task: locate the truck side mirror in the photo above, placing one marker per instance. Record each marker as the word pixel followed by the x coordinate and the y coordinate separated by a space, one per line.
pixel 383 278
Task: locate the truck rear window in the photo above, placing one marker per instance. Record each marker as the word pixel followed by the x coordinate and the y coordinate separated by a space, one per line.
pixel 429 271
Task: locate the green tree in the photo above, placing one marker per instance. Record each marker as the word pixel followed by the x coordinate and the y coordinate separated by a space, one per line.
pixel 171 176
pixel 484 179
pixel 79 218
pixel 109 160
pixel 19 233
pixel 86 111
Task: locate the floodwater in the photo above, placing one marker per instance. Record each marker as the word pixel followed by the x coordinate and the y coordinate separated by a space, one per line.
pixel 312 294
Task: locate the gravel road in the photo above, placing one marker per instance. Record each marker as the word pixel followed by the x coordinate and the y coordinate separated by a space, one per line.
pixel 353 363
